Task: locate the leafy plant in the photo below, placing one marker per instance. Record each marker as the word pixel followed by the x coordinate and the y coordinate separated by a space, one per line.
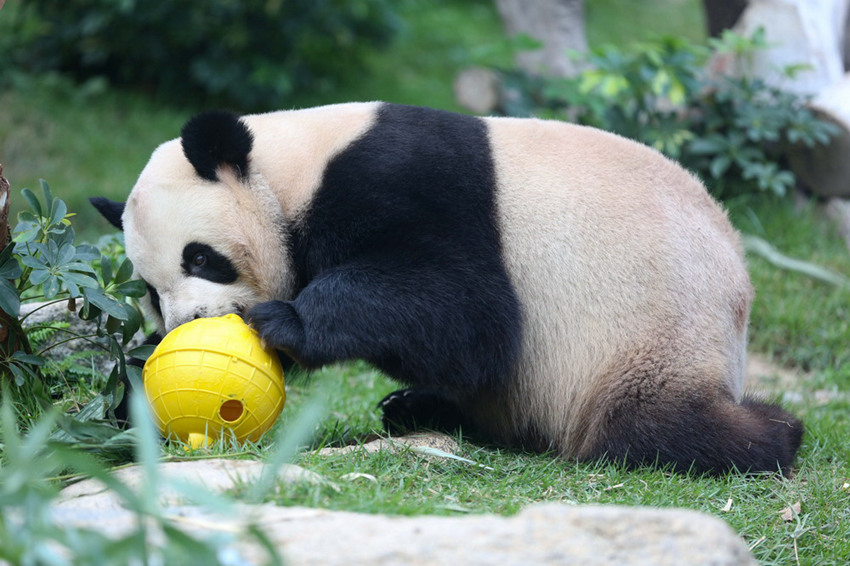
pixel 43 263
pixel 32 529
pixel 734 131
pixel 253 53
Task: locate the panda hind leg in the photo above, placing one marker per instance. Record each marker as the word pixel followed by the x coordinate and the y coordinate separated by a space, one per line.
pixel 703 433
pixel 409 410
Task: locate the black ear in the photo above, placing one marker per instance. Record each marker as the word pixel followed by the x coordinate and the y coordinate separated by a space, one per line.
pixel 110 210
pixel 215 138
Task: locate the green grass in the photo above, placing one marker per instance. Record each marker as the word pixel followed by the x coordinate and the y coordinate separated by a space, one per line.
pixel 407 483
pixel 96 144
pixel 621 22
pixel 786 323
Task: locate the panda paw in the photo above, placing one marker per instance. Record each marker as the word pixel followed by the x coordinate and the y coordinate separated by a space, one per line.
pixel 416 409
pixel 279 327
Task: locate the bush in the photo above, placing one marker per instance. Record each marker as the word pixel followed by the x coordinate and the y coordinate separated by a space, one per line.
pixel 254 54
pixel 43 263
pixel 734 132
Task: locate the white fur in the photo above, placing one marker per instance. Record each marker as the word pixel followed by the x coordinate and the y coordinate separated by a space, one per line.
pixel 613 250
pixel 170 206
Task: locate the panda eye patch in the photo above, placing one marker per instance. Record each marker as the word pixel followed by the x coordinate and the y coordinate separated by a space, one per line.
pixel 204 262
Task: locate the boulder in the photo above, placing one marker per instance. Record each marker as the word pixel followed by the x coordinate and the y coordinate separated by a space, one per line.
pixel 546 533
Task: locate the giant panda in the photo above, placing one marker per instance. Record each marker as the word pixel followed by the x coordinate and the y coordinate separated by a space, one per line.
pixel 544 285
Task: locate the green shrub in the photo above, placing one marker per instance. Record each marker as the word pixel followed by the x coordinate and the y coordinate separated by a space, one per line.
pixel 250 53
pixel 44 263
pixel 734 131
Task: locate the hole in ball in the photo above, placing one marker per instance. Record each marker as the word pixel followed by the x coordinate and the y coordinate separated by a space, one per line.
pixel 231 410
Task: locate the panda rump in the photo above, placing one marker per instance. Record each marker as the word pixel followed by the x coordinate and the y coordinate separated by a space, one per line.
pixel 543 285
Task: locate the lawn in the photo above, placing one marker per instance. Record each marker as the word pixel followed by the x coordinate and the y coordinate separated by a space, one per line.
pixel 95 143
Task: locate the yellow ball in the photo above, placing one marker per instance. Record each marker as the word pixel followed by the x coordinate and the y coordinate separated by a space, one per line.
pixel 211 378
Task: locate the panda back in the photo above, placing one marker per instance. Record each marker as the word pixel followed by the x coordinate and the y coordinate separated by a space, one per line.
pixel 612 249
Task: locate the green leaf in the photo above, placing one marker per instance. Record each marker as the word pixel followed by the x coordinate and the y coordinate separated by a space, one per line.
pixel 142 352
pixel 134 288
pixel 25 232
pixel 79 266
pixel 39 276
pixel 19 374
pixel 131 325
pixel 31 359
pixel 706 146
pixel 80 279
pixel 60 209
pixel 125 271
pixel 10 301
pixel 113 324
pixel 104 302
pixel 10 269
pixel 45 189
pixel 719 165
pixel 33 261
pixel 51 287
pixel 32 201
pixel 86 252
pixel 106 270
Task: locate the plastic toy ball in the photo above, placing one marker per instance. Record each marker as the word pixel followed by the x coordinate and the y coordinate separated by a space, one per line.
pixel 210 379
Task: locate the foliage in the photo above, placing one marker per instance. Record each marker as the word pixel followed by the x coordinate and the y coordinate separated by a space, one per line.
pixel 43 263
pixel 32 529
pixel 255 54
pixel 734 131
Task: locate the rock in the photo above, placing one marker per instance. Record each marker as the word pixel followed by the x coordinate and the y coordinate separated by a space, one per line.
pixel 216 475
pixel 559 27
pixel 38 313
pixel 825 170
pixel 541 534
pixel 477 90
pixel 797 32
pixel 438 441
pixel 762 375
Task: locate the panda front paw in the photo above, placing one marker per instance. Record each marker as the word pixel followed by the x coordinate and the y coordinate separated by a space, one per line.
pixel 279 327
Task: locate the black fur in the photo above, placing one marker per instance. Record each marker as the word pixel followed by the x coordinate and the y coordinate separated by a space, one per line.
pixel 204 262
pixel 110 210
pixel 399 260
pixel 701 434
pixel 215 138
pixel 417 409
pixel 154 297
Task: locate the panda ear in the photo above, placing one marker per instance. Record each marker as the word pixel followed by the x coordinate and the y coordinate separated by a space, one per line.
pixel 215 138
pixel 110 210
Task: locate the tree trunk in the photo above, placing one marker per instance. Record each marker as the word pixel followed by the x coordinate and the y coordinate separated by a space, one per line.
pixel 557 24
pixel 845 50
pixel 800 34
pixel 722 14
pixel 4 240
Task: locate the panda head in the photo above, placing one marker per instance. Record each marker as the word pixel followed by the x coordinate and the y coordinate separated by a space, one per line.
pixel 203 231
